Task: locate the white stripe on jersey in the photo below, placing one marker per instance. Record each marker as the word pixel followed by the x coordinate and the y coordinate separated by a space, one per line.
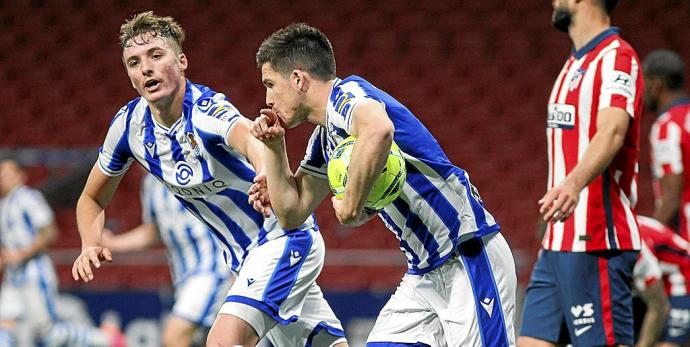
pixel 23 212
pixel 195 162
pixel 190 244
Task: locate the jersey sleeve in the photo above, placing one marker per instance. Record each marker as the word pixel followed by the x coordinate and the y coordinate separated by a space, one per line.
pixel 38 210
pixel 221 116
pixel 646 270
pixel 115 156
pixel 620 74
pixel 314 162
pixel 350 95
pixel 665 140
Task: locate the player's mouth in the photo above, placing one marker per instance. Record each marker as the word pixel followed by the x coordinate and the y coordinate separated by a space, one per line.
pixel 152 85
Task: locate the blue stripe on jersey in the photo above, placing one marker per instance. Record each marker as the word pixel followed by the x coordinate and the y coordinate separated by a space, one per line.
pixel 321 326
pixel 213 143
pixel 297 247
pixel 175 147
pixel 240 200
pixel 440 205
pixel 477 207
pixel 265 308
pixel 608 211
pixel 206 173
pixel 214 250
pixel 219 236
pixel 315 158
pixel 403 244
pixel 29 224
pixel 195 246
pixel 180 264
pixel 234 229
pixel 45 289
pixel 150 151
pixel 492 325
pixel 414 223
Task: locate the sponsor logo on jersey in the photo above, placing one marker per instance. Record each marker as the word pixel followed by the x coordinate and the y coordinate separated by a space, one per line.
pixel 183 173
pixel 619 83
pixel 488 305
pixel 561 116
pixel 199 190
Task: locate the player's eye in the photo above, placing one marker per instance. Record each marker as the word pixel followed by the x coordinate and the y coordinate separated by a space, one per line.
pixel 132 63
pixel 157 56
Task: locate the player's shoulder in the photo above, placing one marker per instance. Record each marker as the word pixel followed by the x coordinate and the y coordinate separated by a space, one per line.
pixel 128 110
pixel 618 46
pixel 30 194
pixel 208 102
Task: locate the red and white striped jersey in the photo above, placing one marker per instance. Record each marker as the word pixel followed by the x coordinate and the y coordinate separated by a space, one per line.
pixel 647 270
pixel 604 73
pixel 670 147
pixel 673 253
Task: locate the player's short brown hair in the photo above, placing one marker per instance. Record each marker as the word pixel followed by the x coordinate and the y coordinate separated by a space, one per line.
pixel 157 26
pixel 298 46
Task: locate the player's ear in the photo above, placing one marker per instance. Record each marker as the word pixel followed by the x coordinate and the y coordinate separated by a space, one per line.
pixel 183 62
pixel 298 80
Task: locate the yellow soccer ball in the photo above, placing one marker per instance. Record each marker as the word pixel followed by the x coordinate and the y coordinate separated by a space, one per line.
pixel 386 188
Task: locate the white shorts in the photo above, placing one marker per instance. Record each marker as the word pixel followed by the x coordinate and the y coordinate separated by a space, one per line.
pixel 199 296
pixel 276 292
pixel 467 301
pixel 31 302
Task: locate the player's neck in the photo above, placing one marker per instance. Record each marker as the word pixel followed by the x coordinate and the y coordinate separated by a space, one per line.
pixel 668 98
pixel 587 26
pixel 167 111
pixel 321 94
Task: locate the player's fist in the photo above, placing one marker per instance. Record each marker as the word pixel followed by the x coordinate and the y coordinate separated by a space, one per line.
pixel 267 127
pixel 90 255
pixel 559 202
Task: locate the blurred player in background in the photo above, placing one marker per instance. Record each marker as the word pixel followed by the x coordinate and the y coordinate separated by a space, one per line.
pixel 648 286
pixel 664 74
pixel 459 289
pixel 580 288
pixel 200 274
pixel 672 251
pixel 29 287
pixel 196 142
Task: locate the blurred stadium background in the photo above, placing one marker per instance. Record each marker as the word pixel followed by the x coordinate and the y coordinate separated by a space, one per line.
pixel 477 73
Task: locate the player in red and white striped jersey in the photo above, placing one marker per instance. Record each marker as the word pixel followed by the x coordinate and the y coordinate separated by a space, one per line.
pixel 647 283
pixel 592 240
pixel 669 138
pixel 673 253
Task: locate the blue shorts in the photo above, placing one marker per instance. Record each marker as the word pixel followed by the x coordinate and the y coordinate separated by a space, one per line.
pixel 581 298
pixel 677 328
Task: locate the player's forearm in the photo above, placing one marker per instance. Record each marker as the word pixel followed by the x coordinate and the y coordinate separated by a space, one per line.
pixel 46 236
pixel 600 152
pixel 655 318
pixel 137 239
pixel 282 188
pixel 90 219
pixel 368 159
pixel 668 208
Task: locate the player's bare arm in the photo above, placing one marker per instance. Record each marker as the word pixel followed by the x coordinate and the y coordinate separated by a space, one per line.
pixel 46 236
pixel 655 317
pixel 137 239
pixel 671 188
pixel 560 201
pixel 374 132
pixel 293 197
pixel 241 140
pixel 98 192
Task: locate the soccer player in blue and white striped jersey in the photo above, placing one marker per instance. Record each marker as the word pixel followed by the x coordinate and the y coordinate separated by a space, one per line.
pixel 29 287
pixel 200 274
pixel 459 289
pixel 196 142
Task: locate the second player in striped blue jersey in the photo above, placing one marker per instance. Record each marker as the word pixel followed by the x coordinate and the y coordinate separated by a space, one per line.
pixel 196 142
pixel 200 274
pixel 459 289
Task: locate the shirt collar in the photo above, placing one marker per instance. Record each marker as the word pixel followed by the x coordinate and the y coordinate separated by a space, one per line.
pixel 595 42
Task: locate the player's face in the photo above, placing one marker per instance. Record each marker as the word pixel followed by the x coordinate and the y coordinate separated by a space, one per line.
pixel 154 67
pixel 11 175
pixel 652 89
pixel 284 97
pixel 562 15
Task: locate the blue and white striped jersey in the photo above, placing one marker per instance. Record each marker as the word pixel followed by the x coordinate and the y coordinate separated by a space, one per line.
pixel 194 161
pixel 190 244
pixel 23 213
pixel 438 207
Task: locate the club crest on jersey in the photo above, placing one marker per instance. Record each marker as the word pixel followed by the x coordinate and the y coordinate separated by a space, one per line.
pixel 192 143
pixel 561 116
pixel 575 80
pixel 183 173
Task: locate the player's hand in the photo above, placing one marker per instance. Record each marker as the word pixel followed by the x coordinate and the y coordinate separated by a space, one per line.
pixel 12 257
pixel 348 217
pixel 90 255
pixel 559 202
pixel 258 195
pixel 268 128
